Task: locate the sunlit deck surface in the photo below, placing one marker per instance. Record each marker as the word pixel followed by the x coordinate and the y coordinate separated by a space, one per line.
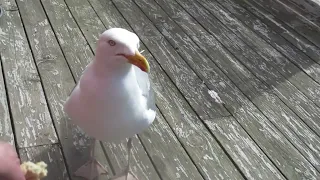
pixel 237 84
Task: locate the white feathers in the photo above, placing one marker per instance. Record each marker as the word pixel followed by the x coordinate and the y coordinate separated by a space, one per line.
pixel 113 100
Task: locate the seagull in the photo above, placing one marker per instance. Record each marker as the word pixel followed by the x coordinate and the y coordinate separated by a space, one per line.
pixel 113 99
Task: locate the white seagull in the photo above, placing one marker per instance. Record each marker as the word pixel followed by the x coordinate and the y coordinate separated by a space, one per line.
pixel 113 99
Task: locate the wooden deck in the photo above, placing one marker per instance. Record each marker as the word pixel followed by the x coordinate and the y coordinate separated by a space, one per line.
pixel 237 84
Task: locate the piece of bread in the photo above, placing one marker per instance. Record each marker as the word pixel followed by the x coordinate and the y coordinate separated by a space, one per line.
pixel 34 171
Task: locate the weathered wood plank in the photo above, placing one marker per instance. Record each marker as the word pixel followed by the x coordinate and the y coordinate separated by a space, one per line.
pixel 91 27
pixel 275 54
pixel 32 121
pixel 58 82
pixel 257 160
pixel 203 149
pixel 295 130
pixel 268 34
pixel 169 28
pixel 75 48
pixel 171 154
pixel 171 160
pixel 309 13
pixel 51 155
pixel 247 110
pixel 110 17
pixel 311 6
pixel 272 107
pixel 206 109
pixel 293 20
pixel 197 141
pixel 285 31
pixel 284 89
pixel 6 133
pixel 118 155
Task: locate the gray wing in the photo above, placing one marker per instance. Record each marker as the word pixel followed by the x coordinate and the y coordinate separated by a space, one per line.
pixel 145 86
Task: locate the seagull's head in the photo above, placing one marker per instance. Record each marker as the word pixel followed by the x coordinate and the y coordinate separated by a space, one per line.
pixel 121 46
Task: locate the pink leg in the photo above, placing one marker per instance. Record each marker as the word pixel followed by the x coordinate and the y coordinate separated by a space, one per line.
pixel 91 169
pixel 126 175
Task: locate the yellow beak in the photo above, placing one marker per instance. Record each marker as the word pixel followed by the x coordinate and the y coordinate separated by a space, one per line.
pixel 139 61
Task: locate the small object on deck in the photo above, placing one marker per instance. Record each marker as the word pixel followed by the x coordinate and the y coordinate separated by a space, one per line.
pixel 34 171
pixel 113 99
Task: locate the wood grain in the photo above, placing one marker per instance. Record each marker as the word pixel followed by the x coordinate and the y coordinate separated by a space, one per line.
pixel 167 152
pixel 310 6
pixel 282 29
pixel 171 159
pixel 178 43
pixel 176 33
pixel 306 8
pixel 298 23
pixel 51 155
pixel 208 108
pixel 30 114
pixel 213 93
pixel 259 94
pixel 6 132
pixel 58 82
pixel 290 62
pixel 140 164
pixel 288 93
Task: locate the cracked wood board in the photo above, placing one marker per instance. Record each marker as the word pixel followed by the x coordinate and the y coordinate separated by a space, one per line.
pixel 30 114
pixel 58 82
pixel 293 20
pixel 282 29
pixel 172 28
pixel 288 93
pixel 278 54
pixel 309 9
pixel 6 133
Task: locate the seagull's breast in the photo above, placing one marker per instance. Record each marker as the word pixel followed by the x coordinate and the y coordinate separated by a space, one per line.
pixel 110 108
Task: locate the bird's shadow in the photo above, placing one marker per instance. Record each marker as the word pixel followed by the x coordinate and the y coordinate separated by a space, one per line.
pixel 77 146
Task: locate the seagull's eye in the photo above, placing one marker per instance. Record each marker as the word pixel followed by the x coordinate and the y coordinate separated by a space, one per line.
pixel 111 43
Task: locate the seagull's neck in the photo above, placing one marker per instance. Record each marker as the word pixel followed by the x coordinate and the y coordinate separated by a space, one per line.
pixel 111 69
